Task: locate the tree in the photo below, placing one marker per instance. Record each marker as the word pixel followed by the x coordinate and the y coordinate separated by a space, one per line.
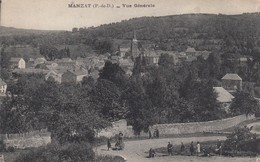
pixel 106 99
pixel 244 103
pixel 114 73
pixel 166 60
pixel 141 114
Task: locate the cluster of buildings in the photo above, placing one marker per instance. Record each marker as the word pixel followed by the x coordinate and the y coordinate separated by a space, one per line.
pixel 230 83
pixel 63 70
pixel 151 56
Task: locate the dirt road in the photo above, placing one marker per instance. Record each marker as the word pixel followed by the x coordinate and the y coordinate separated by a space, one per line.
pixel 136 151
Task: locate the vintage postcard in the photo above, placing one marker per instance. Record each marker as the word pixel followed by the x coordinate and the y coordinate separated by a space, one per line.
pixel 129 80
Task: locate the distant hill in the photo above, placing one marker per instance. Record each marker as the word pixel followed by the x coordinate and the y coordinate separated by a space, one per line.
pixel 197 30
pixel 171 27
pixel 10 31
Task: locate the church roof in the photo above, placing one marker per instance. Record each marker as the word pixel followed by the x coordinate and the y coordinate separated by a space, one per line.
pixel 230 76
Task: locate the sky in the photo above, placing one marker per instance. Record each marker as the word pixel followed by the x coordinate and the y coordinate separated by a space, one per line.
pixel 56 15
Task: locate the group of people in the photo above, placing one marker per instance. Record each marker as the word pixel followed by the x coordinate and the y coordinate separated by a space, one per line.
pixel 155 134
pixel 119 143
pixel 193 149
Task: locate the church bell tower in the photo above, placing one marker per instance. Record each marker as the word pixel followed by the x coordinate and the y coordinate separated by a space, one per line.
pixel 134 46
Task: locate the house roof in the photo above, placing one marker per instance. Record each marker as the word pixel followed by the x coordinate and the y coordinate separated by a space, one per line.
pixel 94 74
pixel 223 95
pixel 30 71
pixel 15 59
pixel 78 71
pixel 2 83
pixel 230 76
pixel 63 60
pixel 190 49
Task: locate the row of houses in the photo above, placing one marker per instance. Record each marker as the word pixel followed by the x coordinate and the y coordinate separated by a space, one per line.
pixel 67 70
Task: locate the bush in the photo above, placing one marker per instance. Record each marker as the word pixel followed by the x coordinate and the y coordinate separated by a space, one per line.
pixel 10 149
pixel 109 159
pixel 239 140
pixel 2 146
pixel 70 152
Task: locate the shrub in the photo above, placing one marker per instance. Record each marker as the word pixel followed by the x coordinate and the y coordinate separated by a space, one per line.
pixel 238 139
pixel 2 146
pixel 10 149
pixel 70 152
pixel 109 159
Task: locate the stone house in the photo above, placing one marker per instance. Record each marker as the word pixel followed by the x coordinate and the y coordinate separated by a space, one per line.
pixel 74 75
pixel 3 87
pixel 190 52
pixel 232 82
pixel 223 97
pixel 56 72
pixel 17 62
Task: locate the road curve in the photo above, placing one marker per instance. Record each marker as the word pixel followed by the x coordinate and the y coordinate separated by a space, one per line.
pixel 136 151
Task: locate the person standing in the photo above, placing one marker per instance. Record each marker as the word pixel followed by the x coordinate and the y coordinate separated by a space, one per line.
pixel 182 147
pixel 157 133
pixel 191 148
pixel 198 148
pixel 108 144
pixel 169 149
pixel 150 134
pixel 151 153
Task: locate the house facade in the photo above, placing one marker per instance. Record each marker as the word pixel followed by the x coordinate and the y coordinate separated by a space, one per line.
pixel 223 97
pixel 16 62
pixel 74 75
pixel 232 82
pixel 3 87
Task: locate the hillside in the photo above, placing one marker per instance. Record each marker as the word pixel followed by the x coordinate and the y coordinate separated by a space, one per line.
pixel 9 31
pixel 195 30
pixel 171 27
pixel 232 33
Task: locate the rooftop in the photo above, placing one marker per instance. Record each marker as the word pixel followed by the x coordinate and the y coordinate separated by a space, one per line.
pixel 15 59
pixel 2 83
pixel 223 95
pixel 230 76
pixel 190 49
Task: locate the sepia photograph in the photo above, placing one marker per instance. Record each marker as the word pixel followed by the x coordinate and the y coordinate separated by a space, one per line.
pixel 130 81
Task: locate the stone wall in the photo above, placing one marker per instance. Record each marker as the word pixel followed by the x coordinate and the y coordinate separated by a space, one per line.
pixel 177 128
pixel 2 158
pixel 27 140
pixel 210 126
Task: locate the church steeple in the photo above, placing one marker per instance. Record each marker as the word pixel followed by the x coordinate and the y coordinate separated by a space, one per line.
pixel 134 46
pixel 134 36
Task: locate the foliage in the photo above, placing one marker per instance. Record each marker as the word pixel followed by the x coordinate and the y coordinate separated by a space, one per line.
pixel 244 103
pixel 2 146
pixel 237 139
pixel 71 152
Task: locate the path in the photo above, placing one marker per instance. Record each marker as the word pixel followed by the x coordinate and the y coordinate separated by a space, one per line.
pixel 136 151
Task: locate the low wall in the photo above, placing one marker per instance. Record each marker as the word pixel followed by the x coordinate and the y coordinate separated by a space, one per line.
pixel 210 126
pixel 27 140
pixel 2 158
pixel 177 128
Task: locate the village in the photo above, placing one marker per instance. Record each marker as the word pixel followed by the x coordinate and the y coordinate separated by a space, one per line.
pixel 182 87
